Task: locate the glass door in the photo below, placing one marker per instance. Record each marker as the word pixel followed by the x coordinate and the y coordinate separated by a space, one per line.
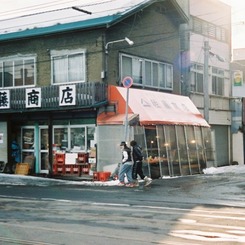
pixel 27 147
pixel 43 149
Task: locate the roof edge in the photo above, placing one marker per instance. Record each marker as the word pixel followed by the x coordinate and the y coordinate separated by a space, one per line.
pixel 58 28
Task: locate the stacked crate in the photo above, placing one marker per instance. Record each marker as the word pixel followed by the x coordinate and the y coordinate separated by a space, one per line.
pixel 82 161
pixel 92 160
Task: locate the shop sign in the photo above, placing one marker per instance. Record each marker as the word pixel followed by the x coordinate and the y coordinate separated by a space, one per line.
pixel 33 97
pixel 67 95
pixel 237 78
pixel 22 168
pixel 4 99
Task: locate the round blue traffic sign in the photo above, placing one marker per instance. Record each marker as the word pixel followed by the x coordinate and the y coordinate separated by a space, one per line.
pixel 127 82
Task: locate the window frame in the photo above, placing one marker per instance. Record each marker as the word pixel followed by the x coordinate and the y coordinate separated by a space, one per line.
pixel 13 60
pixel 68 54
pixel 69 128
pixel 218 79
pixel 196 70
pixel 151 73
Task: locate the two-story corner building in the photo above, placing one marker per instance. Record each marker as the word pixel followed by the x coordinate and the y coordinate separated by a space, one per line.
pixel 206 54
pixel 62 96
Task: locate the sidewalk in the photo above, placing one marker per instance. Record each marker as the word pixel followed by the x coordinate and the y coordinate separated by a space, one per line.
pixel 13 179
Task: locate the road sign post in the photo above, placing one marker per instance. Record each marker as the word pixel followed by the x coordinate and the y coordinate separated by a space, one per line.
pixel 127 83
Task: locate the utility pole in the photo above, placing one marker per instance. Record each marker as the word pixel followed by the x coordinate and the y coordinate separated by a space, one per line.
pixel 206 81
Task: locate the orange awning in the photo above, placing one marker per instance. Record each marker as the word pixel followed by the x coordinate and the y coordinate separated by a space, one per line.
pixel 111 118
pixel 153 108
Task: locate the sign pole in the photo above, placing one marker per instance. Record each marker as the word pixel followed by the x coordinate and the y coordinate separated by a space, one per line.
pixel 126 117
pixel 127 83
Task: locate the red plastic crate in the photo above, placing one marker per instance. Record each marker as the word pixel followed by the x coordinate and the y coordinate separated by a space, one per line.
pixel 104 176
pixel 71 169
pixel 85 168
pixel 95 176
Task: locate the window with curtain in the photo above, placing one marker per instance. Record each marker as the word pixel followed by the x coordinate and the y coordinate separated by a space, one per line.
pixel 147 73
pixel 68 66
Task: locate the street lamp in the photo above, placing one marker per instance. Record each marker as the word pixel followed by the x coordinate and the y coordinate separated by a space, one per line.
pixel 130 42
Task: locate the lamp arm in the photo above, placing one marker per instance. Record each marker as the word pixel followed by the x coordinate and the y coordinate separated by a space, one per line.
pixel 117 41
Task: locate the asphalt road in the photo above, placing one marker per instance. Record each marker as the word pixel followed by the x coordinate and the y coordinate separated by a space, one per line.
pixel 202 209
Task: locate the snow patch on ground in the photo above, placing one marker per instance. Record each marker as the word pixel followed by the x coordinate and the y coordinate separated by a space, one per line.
pixel 14 179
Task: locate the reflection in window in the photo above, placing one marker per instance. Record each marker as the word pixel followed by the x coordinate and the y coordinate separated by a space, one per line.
pixel 182 150
pixel 90 137
pixel 17 72
pixel 145 72
pixel 28 138
pixel 77 139
pixel 74 138
pixel 61 138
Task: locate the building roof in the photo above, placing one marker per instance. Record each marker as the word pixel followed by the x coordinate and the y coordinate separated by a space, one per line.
pixel 90 14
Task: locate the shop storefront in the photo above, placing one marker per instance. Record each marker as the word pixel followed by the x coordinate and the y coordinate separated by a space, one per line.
pixel 174 137
pixel 44 131
pixel 68 137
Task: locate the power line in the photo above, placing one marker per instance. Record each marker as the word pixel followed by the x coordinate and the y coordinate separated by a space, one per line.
pixel 61 18
pixel 47 5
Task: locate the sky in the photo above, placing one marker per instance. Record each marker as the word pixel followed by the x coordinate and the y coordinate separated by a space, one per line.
pixel 238 22
pixel 10 8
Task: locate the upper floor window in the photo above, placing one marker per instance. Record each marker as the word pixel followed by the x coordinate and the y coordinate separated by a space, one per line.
pixel 197 78
pixel 17 72
pixel 218 78
pixel 147 73
pixel 209 29
pixel 68 66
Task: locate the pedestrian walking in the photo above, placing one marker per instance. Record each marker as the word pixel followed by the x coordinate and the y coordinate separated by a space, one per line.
pixel 126 166
pixel 137 165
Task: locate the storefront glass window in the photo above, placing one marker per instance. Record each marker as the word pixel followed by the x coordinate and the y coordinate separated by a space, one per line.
pixel 78 139
pixel 61 138
pixel 182 151
pixel 90 137
pixel 171 145
pixel 191 142
pixel 27 147
pixel 200 149
pixel 152 148
pixel 208 144
pixel 27 138
pixel 44 149
pixel 74 138
pixel 163 154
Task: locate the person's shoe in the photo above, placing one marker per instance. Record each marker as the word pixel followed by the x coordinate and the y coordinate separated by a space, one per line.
pixel 147 181
pixel 136 183
pixel 121 184
pixel 130 185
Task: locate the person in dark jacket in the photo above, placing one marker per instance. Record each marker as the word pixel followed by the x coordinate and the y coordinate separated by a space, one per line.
pixel 126 166
pixel 15 156
pixel 137 165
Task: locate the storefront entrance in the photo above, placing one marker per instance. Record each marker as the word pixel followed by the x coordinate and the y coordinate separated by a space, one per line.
pixel 34 148
pixel 68 136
